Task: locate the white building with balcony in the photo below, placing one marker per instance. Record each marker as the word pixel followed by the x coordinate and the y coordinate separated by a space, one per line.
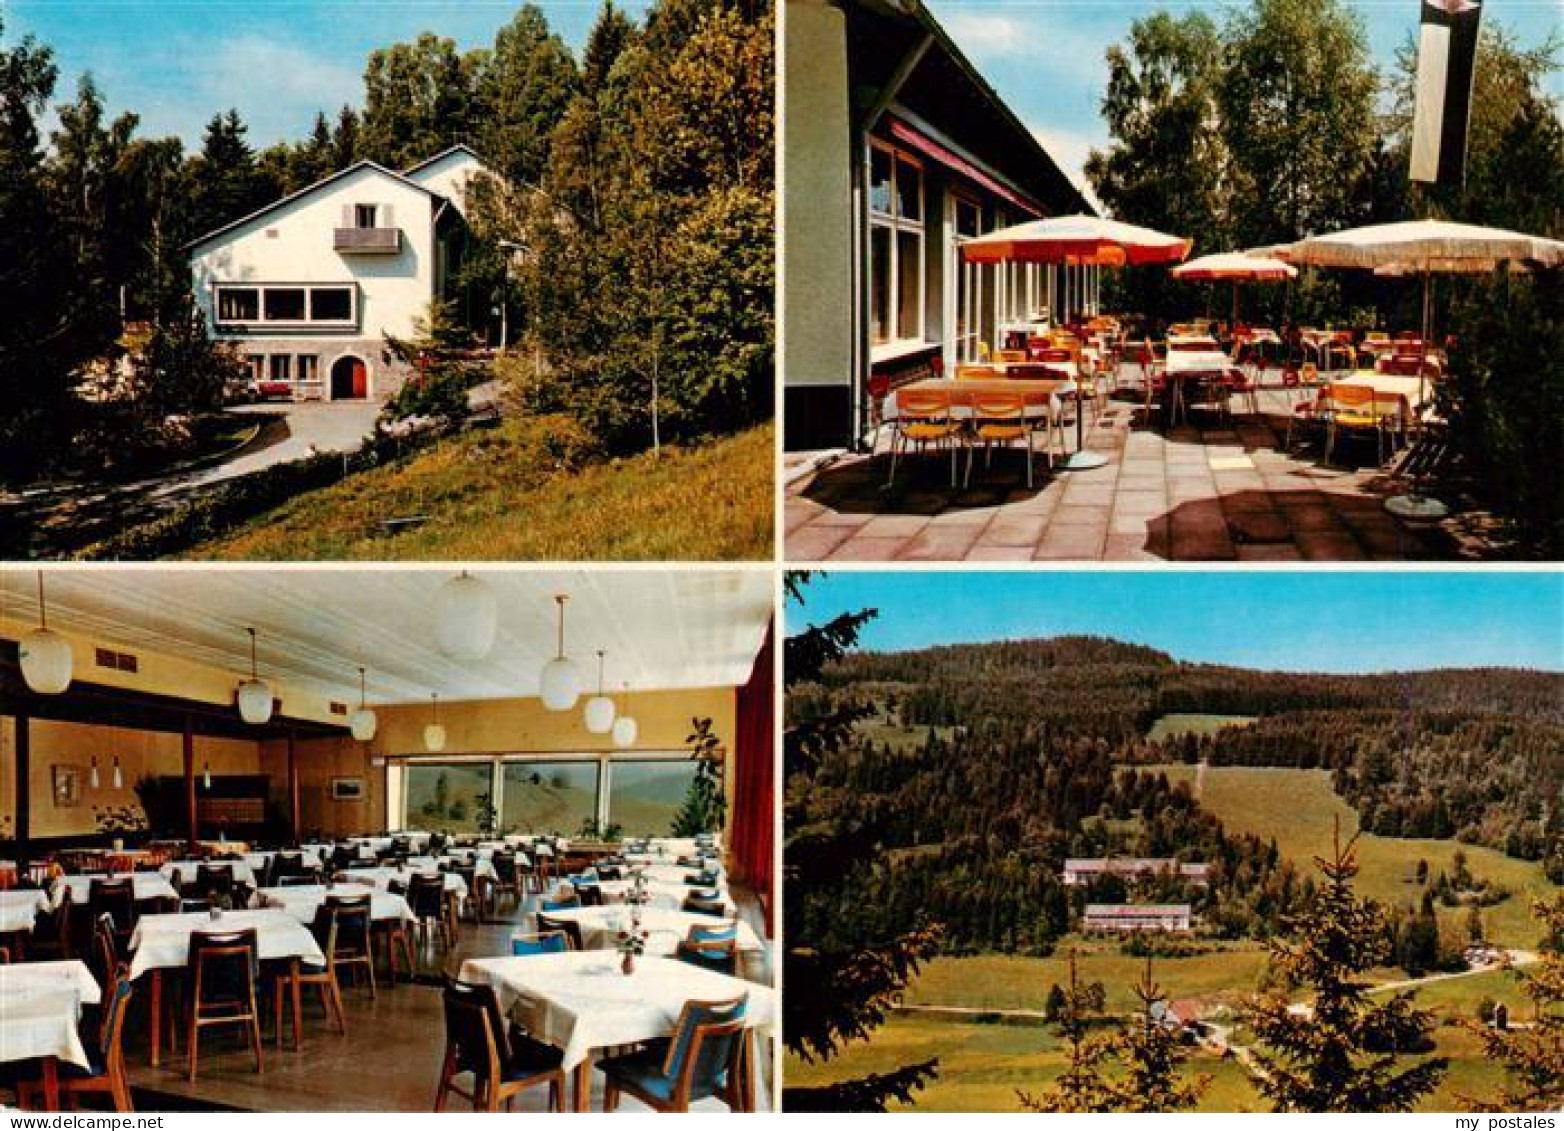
pixel 308 287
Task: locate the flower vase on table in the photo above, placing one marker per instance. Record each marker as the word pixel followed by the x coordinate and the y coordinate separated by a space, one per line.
pixel 631 943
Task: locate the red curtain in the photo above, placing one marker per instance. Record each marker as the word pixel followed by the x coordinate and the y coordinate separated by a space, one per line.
pixel 752 831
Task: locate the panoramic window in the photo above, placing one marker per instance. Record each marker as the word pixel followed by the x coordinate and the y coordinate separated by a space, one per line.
pixel 446 796
pixel 645 796
pixel 895 248
pixel 549 797
pixel 285 304
pixel 238 304
pixel 331 304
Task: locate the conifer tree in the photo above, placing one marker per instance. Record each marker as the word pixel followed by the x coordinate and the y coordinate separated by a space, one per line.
pixel 1533 1056
pixel 1083 1086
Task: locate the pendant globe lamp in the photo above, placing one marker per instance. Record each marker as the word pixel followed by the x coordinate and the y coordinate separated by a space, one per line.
pixel 362 722
pixel 625 728
pixel 600 708
pixel 560 682
pixel 465 617
pixel 255 695
pixel 434 733
pixel 45 654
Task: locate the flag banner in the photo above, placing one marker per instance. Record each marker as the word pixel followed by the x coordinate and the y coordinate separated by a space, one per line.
pixel 1446 62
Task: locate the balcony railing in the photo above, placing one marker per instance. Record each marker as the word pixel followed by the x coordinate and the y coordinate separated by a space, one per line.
pixel 368 241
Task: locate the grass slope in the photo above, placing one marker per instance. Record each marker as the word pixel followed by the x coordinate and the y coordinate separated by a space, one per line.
pixel 1177 725
pixel 488 500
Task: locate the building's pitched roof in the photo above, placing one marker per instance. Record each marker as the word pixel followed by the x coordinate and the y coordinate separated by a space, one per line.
pixel 459 147
pixel 307 191
pixel 1137 910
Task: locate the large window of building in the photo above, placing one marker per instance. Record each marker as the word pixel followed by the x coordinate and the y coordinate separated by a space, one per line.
pixel 333 305
pixel 446 796
pixel 896 234
pixel 549 797
pixel 644 796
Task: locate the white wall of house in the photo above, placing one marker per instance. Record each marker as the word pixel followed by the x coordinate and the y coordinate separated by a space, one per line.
pixel 449 175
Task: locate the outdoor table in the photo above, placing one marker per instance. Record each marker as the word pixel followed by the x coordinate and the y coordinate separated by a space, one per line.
pixel 303 901
pixel 1037 393
pixel 143 885
pixel 600 927
pixel 186 870
pixel 670 896
pixel 40 1008
pixel 19 908
pixel 1192 365
pixel 581 1001
pixel 1402 391
pixel 162 942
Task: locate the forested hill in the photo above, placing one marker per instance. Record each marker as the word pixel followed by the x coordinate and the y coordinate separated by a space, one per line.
pixel 1476 754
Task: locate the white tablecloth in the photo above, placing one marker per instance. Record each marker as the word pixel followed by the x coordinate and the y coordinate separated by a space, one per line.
pixel 40 1004
pixel 162 942
pixel 674 873
pixel 580 1001
pixel 482 868
pixel 258 860
pixel 670 896
pixel 600 927
pixel 1397 389
pixel 18 909
pixel 304 900
pixel 144 885
pixel 1197 363
pixel 380 878
pixel 186 870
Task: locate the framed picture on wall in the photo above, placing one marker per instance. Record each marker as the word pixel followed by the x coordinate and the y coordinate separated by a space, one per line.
pixel 347 789
pixel 67 786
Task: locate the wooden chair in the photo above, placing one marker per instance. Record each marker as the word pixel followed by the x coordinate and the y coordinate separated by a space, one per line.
pixel 221 974
pixel 567 927
pixel 924 418
pixel 354 946
pixel 704 1057
pixel 704 905
pixel 51 934
pixel 502 1065
pixel 544 942
pixel 721 955
pixel 290 980
pixel 215 882
pixel 105 1071
pixel 508 880
pixel 564 898
pixel 997 419
pixel 426 898
pixel 115 897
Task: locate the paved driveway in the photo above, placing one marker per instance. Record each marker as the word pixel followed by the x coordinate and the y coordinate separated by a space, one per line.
pixel 303 429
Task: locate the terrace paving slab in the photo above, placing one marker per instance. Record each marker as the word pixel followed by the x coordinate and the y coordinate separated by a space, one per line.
pixel 1204 491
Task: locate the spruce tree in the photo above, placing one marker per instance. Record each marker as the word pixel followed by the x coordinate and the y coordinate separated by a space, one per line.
pixel 1322 1043
pixel 1533 1056
pixel 1083 1086
pixel 1151 1057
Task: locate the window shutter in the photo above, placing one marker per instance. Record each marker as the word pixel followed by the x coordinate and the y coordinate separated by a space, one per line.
pixel 386 218
pixel 347 216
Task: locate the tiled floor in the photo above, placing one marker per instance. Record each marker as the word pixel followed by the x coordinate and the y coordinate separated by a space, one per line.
pixel 389 1061
pixel 1214 493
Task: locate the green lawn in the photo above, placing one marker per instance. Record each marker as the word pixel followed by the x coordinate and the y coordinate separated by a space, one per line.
pixel 1298 808
pixel 489 498
pixel 1176 725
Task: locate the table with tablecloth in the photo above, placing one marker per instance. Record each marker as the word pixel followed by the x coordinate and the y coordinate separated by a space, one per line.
pixel 383 878
pixel 162 942
pixel 1404 395
pixel 143 886
pixel 600 927
pixel 259 860
pixel 671 873
pixel 40 1011
pixel 304 900
pixel 582 1001
pixel 660 894
pixel 19 907
pixel 1192 365
pixel 186 870
pixel 482 867
pixel 1037 394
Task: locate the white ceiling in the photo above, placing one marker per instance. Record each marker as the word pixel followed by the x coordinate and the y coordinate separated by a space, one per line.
pixel 661 628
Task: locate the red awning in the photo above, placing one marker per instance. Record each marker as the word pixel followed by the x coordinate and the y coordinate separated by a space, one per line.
pixel 930 148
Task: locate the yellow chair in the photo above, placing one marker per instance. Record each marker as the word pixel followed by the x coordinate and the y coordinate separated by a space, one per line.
pixel 999 418
pixel 1012 355
pixel 924 418
pixel 1352 409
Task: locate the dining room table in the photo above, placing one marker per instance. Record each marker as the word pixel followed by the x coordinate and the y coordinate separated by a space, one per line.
pixel 382 877
pixel 660 894
pixel 260 859
pixel 40 1017
pixel 600 927
pixel 672 873
pixel 582 1001
pixel 162 942
pixel 143 886
pixel 185 870
pixel 19 907
pixel 304 900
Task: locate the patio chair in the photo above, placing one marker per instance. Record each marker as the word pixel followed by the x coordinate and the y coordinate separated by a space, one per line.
pixel 1012 355
pixel 291 979
pixel 1240 384
pixel 997 419
pixel 502 1066
pixel 105 1070
pixel 1308 417
pixel 543 942
pixel 924 418
pixel 1353 411
pixel 704 1057
pixel 221 973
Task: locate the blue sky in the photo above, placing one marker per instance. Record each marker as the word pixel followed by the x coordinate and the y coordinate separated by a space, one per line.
pixel 1046 57
pixel 1298 621
pixel 178 62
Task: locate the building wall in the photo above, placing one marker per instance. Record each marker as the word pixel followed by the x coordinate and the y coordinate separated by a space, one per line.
pixel 140 753
pixel 293 244
pixel 816 335
pixel 450 177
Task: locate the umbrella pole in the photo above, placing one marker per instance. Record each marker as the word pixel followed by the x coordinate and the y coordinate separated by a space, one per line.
pixel 1415 505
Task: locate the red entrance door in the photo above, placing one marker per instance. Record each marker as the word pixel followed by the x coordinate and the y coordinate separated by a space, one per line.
pixel 349 379
pixel 360 380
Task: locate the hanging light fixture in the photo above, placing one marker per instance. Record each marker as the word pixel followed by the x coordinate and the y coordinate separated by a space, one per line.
pixel 206 775
pixel 625 728
pixel 560 682
pixel 118 779
pixel 45 654
pixel 434 733
pixel 255 696
pixel 363 720
pixel 465 616
pixel 600 708
pixel 92 775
